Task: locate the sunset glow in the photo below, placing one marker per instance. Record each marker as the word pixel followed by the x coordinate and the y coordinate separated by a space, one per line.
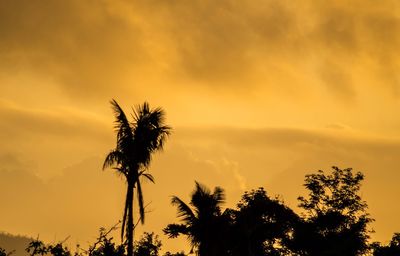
pixel 258 93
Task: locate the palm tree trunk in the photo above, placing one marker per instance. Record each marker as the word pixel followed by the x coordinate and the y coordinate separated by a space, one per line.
pixel 129 226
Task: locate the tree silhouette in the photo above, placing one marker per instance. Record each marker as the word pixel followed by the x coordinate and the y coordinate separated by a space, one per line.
pixel 103 246
pixel 393 249
pixel 38 248
pixel 203 224
pixel 261 225
pixel 174 254
pixel 136 141
pixel 335 220
pixel 3 252
pixel 148 245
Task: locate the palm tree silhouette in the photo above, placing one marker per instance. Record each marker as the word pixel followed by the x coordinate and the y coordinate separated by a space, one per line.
pixel 136 141
pixel 204 224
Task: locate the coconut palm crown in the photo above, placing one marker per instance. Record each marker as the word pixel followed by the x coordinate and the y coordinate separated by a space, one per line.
pixel 202 221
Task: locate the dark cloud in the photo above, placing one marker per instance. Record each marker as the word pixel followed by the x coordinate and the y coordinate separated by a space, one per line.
pixel 90 47
pixel 83 45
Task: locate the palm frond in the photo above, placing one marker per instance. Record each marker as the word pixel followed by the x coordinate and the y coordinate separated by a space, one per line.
pixel 159 136
pixel 184 210
pixel 115 157
pixel 199 194
pixel 219 195
pixel 174 230
pixel 148 176
pixel 122 127
pixel 121 121
pixel 201 189
pixel 122 170
pixel 140 201
pixel 141 111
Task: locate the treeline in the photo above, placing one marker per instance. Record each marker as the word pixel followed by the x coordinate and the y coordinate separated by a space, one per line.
pixel 333 222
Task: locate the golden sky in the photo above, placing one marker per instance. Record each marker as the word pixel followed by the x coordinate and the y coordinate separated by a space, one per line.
pixel 259 93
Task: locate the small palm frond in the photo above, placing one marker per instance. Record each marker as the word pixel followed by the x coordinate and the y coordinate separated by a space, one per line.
pixel 121 121
pixel 200 195
pixel 174 230
pixel 147 176
pixel 219 195
pixel 184 210
pixel 140 201
pixel 201 189
pixel 122 127
pixel 141 111
pixel 114 158
pixel 121 171
pixel 159 136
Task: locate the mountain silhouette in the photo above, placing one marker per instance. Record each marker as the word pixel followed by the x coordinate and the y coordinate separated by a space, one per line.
pixel 14 243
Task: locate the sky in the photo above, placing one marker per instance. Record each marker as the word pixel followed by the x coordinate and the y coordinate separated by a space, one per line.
pixel 259 93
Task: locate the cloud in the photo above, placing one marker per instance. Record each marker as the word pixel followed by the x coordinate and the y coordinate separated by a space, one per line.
pixel 93 49
pixel 22 120
pixel 240 63
pixel 86 47
pixel 51 138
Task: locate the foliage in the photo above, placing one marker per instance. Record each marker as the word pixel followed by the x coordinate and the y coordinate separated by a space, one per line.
pixel 203 224
pixel 335 220
pixel 37 247
pixel 174 254
pixel 148 245
pixel 392 249
pixel 4 253
pixel 261 225
pixel 103 246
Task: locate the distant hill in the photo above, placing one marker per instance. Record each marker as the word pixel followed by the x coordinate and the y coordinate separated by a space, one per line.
pixel 14 243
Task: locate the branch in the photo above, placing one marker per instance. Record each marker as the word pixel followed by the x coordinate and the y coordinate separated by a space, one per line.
pixel 103 235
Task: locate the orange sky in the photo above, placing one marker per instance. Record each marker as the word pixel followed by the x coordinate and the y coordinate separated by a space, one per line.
pixel 259 93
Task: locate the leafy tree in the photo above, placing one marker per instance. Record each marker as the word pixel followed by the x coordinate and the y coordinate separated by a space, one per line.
pixel 392 249
pixel 335 220
pixel 174 254
pixel 261 225
pixel 37 247
pixel 136 142
pixel 203 224
pixel 108 248
pixel 148 245
pixel 3 252
pixel 103 246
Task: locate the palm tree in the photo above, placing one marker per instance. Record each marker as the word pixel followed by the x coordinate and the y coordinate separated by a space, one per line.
pixel 136 141
pixel 203 224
